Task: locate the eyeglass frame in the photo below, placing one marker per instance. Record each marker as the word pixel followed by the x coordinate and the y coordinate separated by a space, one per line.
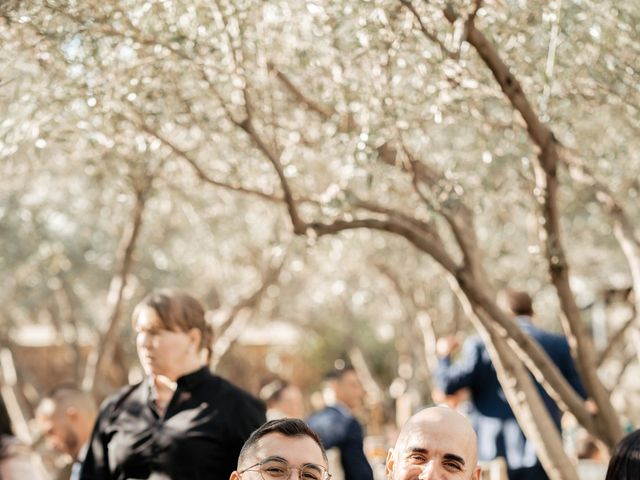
pixel 326 475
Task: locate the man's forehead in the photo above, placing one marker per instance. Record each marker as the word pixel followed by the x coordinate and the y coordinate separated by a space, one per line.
pixel 422 436
pixel 297 449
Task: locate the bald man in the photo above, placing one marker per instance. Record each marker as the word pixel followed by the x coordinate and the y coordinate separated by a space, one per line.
pixel 66 419
pixel 437 443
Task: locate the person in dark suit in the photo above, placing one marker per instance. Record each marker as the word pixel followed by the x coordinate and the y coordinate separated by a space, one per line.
pixel 337 427
pixel 499 434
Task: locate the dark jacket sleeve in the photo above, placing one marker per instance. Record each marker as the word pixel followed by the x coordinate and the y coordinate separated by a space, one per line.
pixel 451 377
pixel 568 368
pixel 354 462
pixel 95 465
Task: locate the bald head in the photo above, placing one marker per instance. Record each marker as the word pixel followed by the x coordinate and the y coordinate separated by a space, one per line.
pixel 436 443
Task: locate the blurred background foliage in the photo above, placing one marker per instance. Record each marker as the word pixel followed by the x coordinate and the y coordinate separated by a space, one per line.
pixel 102 100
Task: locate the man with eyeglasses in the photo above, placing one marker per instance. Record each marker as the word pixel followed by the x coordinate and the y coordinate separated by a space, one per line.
pixel 278 449
pixel 437 443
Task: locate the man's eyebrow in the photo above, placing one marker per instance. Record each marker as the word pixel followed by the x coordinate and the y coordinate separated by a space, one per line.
pixel 455 458
pixel 273 457
pixel 447 456
pixel 416 450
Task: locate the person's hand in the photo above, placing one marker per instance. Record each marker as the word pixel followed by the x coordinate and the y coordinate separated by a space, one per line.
pixel 591 406
pixel 445 346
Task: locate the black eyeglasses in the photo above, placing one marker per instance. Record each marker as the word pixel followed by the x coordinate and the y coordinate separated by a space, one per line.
pixel 275 469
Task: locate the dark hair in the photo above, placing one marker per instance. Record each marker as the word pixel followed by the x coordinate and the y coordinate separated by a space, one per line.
pixel 5 426
pixel 289 427
pixel 625 459
pixel 338 373
pixel 519 302
pixel 177 311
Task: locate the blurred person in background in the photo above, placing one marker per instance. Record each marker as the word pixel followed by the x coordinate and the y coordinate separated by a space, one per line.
pixel 66 418
pixel 625 459
pixel 283 400
pixel 15 462
pixel 181 422
pixel 499 434
pixel 337 426
pixel 592 461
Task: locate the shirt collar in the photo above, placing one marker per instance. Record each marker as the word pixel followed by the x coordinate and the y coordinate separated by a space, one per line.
pixel 185 382
pixel 192 379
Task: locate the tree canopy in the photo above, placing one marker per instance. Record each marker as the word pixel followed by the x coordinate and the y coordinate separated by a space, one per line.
pixel 202 144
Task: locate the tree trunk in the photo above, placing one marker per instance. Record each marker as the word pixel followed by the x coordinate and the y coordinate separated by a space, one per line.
pixel 623 229
pixel 101 357
pixel 522 394
pixel 547 185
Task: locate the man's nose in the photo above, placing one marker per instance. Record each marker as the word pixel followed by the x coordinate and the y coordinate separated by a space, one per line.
pixel 298 475
pixel 429 471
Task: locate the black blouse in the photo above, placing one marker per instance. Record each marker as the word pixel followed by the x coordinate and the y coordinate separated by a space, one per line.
pixel 199 436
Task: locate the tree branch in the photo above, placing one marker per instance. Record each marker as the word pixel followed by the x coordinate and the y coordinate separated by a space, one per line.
pixel 546 165
pixel 519 388
pixel 427 33
pixel 423 243
pixel 240 313
pixel 199 171
pixel 298 224
pixel 615 339
pixel 324 111
pixel 107 343
pixel 623 228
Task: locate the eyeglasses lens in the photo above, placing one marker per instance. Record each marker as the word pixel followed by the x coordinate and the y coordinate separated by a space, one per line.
pixel 277 470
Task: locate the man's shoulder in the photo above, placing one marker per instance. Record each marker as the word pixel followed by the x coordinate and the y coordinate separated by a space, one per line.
pixel 331 425
pixel 545 336
pixel 332 416
pixel 328 412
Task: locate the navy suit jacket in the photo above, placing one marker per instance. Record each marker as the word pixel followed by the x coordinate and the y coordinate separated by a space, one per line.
pixel 494 421
pixel 337 428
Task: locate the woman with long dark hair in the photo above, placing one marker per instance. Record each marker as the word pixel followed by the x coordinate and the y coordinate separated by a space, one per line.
pixel 14 456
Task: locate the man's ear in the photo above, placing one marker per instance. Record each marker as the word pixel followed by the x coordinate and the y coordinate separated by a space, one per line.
pixel 476 473
pixel 234 475
pixel 196 336
pixel 390 463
